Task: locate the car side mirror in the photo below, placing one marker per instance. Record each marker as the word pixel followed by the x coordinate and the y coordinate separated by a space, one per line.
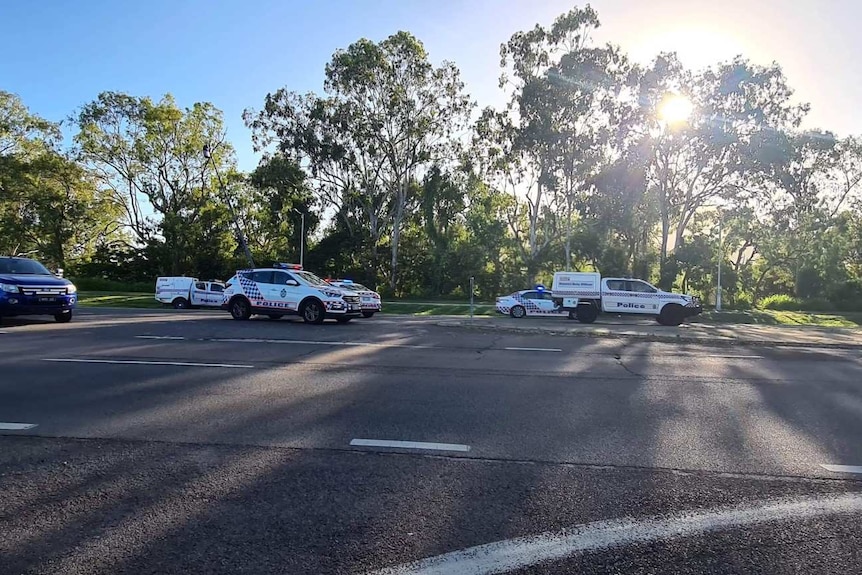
pixel 59 272
pixel 293 283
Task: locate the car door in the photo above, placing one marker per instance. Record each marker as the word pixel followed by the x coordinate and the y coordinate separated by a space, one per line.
pixel 546 303
pixel 643 297
pixel 262 294
pixel 530 300
pixel 615 296
pixel 287 290
pixel 199 293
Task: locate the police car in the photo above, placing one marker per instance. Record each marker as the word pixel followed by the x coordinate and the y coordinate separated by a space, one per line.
pixel 537 301
pixel 369 299
pixel 287 289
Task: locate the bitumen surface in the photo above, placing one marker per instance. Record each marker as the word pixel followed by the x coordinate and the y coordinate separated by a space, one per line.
pixel 188 442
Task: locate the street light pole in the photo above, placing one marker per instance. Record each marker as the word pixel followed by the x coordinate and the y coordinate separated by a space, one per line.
pixel 301 238
pixel 240 236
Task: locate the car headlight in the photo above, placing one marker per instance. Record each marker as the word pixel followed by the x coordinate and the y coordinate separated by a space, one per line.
pixel 330 293
pixel 9 288
pixel 70 289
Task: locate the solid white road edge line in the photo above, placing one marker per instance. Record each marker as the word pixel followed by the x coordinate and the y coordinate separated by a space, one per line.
pixel 503 556
pixel 410 445
pixel 842 468
pixel 142 362
pixel 16 426
pixel 531 349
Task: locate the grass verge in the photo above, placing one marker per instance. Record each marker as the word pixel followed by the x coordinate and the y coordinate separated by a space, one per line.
pixel 753 317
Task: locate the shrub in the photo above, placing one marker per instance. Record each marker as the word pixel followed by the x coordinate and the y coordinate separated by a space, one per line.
pixel 742 302
pixel 780 302
pixel 101 284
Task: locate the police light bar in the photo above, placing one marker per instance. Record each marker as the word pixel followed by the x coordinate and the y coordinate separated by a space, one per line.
pixel 347 281
pixel 284 266
pixel 540 287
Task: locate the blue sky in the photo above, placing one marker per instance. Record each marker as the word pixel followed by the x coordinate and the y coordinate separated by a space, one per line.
pixel 58 55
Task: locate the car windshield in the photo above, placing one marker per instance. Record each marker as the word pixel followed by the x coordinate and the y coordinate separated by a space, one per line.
pixel 311 279
pixel 22 267
pixel 354 287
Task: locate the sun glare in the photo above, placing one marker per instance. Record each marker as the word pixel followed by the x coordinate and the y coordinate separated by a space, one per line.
pixel 675 109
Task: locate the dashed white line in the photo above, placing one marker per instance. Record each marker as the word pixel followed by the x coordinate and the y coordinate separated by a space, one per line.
pixel 16 426
pixel 293 342
pixel 522 552
pixel 842 468
pixel 172 337
pixel 410 445
pixel 143 362
pixel 532 349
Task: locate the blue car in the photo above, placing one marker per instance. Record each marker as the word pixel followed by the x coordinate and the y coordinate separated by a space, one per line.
pixel 28 288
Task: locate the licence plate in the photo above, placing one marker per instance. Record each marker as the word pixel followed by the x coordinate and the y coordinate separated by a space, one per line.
pixel 47 299
pixel 367 299
pixel 353 307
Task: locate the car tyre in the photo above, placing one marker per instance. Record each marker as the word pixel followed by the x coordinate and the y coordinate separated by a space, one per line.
pixel 518 312
pixel 312 311
pixel 671 315
pixel 587 313
pixel 63 317
pixel 181 303
pixel 367 314
pixel 240 309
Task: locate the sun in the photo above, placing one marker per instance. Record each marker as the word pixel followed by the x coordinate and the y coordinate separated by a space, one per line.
pixel 675 109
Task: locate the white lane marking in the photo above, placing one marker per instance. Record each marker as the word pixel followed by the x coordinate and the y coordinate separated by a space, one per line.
pixel 842 468
pixel 511 554
pixel 410 445
pixel 142 362
pixel 159 337
pixel 531 349
pixel 292 341
pixel 16 426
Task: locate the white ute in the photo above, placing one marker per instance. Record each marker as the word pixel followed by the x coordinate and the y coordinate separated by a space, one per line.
pixel 184 292
pixel 586 294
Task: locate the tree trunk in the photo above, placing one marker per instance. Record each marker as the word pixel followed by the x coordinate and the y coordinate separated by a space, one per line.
pixel 401 199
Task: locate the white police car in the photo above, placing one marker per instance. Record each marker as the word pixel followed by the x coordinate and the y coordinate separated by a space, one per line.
pixel 537 301
pixel 287 289
pixel 369 299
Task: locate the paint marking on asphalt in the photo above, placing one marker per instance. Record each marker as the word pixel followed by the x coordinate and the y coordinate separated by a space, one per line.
pixel 171 337
pixel 142 362
pixel 16 426
pixel 410 445
pixel 842 468
pixel 291 341
pixel 532 349
pixel 522 552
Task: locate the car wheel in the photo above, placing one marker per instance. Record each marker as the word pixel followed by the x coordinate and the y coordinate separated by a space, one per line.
pixel 275 316
pixel 181 303
pixel 312 312
pixel 367 314
pixel 671 315
pixel 240 309
pixel 587 313
pixel 64 317
pixel 518 312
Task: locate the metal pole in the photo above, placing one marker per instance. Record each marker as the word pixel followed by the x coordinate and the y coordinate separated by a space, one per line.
pixel 718 293
pixel 471 296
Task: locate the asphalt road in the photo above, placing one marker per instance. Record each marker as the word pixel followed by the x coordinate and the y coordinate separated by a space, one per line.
pixel 190 443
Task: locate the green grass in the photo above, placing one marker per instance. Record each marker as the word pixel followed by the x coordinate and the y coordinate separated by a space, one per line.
pixel 109 299
pixel 790 318
pixel 427 308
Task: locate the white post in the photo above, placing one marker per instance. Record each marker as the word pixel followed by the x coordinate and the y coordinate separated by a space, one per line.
pixel 302 242
pixel 718 293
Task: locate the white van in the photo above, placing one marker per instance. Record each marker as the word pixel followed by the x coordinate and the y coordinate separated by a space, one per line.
pixel 586 294
pixel 184 292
